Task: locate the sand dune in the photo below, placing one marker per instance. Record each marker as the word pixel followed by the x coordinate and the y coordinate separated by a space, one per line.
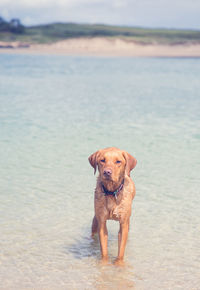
pixel 104 47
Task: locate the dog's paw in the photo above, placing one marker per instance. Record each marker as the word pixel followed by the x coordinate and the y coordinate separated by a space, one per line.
pixel 119 262
pixel 104 261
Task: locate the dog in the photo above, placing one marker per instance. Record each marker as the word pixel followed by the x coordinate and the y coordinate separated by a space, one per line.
pixel 113 196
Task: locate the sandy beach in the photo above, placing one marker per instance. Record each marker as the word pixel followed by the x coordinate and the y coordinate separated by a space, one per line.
pixel 103 47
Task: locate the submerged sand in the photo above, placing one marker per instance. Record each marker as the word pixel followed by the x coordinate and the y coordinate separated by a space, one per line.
pixel 104 47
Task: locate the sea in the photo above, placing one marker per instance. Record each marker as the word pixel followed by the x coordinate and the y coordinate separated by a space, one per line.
pixel 55 111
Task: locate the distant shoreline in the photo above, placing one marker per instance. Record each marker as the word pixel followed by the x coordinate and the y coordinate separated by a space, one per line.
pixel 102 46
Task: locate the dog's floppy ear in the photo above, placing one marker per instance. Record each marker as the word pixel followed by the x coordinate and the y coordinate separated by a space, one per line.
pixel 130 162
pixel 93 160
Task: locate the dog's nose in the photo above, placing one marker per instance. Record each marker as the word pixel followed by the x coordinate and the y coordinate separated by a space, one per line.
pixel 107 172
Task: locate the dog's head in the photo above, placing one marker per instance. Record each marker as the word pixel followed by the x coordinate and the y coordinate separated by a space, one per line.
pixel 112 164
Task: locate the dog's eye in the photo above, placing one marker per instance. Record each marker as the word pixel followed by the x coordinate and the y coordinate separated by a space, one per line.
pixel 118 161
pixel 102 160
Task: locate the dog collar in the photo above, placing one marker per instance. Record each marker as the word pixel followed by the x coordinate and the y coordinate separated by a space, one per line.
pixel 113 193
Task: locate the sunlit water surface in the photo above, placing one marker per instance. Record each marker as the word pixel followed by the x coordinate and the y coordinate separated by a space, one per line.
pixel 57 110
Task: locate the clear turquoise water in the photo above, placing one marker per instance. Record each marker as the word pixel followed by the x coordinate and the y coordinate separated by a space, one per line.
pixel 57 110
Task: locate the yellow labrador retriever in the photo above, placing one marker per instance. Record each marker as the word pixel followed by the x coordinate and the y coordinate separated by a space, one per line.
pixel 113 196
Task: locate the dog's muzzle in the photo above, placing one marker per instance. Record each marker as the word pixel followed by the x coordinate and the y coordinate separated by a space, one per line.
pixel 107 172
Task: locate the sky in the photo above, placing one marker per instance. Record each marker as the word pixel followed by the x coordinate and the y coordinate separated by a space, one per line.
pixel 142 13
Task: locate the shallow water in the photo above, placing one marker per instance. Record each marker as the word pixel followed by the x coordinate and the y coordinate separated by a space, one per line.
pixel 57 110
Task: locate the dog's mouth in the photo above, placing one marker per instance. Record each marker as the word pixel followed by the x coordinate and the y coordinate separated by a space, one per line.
pixel 107 177
pixel 109 180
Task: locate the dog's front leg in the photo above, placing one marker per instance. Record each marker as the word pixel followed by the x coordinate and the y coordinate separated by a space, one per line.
pixel 103 238
pixel 122 239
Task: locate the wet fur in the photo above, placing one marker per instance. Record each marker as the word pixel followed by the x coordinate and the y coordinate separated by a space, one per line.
pixel 120 163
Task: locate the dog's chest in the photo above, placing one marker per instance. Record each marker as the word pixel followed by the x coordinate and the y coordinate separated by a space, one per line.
pixel 113 208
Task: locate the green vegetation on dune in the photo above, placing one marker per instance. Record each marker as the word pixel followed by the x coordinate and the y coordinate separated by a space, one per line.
pixel 14 31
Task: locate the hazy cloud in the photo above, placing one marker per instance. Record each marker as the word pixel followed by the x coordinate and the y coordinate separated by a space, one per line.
pixel 149 13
